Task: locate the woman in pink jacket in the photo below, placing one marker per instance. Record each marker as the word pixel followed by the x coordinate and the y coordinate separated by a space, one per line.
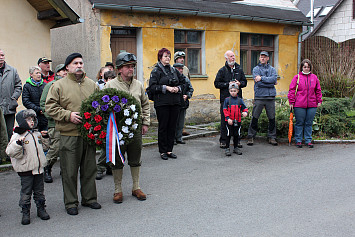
pixel 304 96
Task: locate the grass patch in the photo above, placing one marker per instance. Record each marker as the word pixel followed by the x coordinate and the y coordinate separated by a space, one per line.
pixel 149 140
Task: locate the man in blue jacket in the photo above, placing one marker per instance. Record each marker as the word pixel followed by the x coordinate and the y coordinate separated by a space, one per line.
pixel 265 78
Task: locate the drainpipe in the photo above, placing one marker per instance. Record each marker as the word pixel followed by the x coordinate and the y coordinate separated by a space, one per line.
pixel 312 13
pixel 300 45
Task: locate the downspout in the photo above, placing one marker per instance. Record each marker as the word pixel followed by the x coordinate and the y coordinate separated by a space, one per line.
pixel 300 45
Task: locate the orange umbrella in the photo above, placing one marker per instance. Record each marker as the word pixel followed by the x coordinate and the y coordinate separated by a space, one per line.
pixel 290 127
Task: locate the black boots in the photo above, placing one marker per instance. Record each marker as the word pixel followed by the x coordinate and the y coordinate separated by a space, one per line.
pixel 26 214
pixel 48 174
pixel 41 211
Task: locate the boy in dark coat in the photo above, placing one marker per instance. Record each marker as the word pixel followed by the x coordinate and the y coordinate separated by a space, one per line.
pixel 233 109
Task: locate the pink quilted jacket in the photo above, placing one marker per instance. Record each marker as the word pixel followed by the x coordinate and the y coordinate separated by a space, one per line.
pixel 309 93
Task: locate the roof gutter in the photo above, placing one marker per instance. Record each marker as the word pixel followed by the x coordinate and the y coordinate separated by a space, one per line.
pixel 193 13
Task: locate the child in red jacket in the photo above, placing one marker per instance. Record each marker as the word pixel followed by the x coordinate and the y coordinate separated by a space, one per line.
pixel 233 109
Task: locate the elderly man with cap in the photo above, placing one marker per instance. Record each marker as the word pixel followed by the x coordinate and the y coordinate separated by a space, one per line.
pixel 53 152
pixel 265 78
pixel 186 95
pixel 47 74
pixel 63 104
pixel 230 73
pixel 125 64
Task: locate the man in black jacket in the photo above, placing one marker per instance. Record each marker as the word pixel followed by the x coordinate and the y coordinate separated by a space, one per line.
pixel 231 72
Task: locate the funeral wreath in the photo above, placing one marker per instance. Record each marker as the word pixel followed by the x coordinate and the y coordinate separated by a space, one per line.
pixel 95 112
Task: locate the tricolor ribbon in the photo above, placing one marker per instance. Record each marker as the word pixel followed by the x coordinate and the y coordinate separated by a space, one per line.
pixel 112 138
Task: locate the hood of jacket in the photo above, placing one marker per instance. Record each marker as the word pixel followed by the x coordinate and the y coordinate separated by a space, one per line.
pixel 23 115
pixel 29 80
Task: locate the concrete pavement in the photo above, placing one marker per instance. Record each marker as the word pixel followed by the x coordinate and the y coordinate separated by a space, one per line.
pixel 268 191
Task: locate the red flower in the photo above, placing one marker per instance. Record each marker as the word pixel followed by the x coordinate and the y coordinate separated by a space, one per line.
pixel 98 142
pixel 97 128
pixel 87 125
pixel 102 135
pixel 91 136
pixel 87 115
pixel 97 118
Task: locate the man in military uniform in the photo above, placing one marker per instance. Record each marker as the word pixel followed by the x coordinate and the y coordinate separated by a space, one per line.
pixel 125 64
pixel 53 152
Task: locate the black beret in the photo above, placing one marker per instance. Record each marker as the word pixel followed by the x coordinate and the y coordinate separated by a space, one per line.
pixel 71 57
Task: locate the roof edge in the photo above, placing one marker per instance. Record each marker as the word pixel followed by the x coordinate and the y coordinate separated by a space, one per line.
pixel 66 12
pixel 194 13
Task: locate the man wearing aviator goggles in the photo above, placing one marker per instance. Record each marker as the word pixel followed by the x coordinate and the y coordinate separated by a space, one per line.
pixel 128 57
pixel 125 64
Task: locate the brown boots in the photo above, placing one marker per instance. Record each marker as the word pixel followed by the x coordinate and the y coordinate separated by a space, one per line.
pixel 139 195
pixel 136 191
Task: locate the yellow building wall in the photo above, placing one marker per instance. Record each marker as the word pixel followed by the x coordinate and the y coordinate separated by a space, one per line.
pixel 23 38
pixel 220 35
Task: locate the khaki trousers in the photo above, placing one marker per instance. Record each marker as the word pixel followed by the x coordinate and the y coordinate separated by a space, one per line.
pixel 75 155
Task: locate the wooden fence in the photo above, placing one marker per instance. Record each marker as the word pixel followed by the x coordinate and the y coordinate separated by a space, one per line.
pixel 333 63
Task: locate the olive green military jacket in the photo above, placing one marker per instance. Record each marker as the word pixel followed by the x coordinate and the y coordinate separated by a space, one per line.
pixel 136 89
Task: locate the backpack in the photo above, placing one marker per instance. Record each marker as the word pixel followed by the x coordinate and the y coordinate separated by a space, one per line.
pixel 149 93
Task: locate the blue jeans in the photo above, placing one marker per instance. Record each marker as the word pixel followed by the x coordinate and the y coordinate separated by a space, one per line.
pixel 304 122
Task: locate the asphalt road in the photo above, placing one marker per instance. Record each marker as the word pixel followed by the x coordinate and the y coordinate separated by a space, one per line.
pixel 267 191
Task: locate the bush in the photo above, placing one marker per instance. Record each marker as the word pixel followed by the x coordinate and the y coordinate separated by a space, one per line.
pixel 332 119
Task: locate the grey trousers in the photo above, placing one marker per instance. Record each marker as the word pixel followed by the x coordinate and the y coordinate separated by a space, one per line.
pixel 180 125
pixel 259 105
pixel 32 184
pixel 10 122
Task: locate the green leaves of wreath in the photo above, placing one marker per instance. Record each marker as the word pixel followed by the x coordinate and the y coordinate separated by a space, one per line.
pixel 95 112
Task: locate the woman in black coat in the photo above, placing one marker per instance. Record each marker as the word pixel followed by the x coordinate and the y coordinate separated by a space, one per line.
pixel 31 96
pixel 166 84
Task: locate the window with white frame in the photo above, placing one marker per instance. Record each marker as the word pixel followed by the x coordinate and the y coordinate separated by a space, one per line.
pixel 326 10
pixel 315 12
